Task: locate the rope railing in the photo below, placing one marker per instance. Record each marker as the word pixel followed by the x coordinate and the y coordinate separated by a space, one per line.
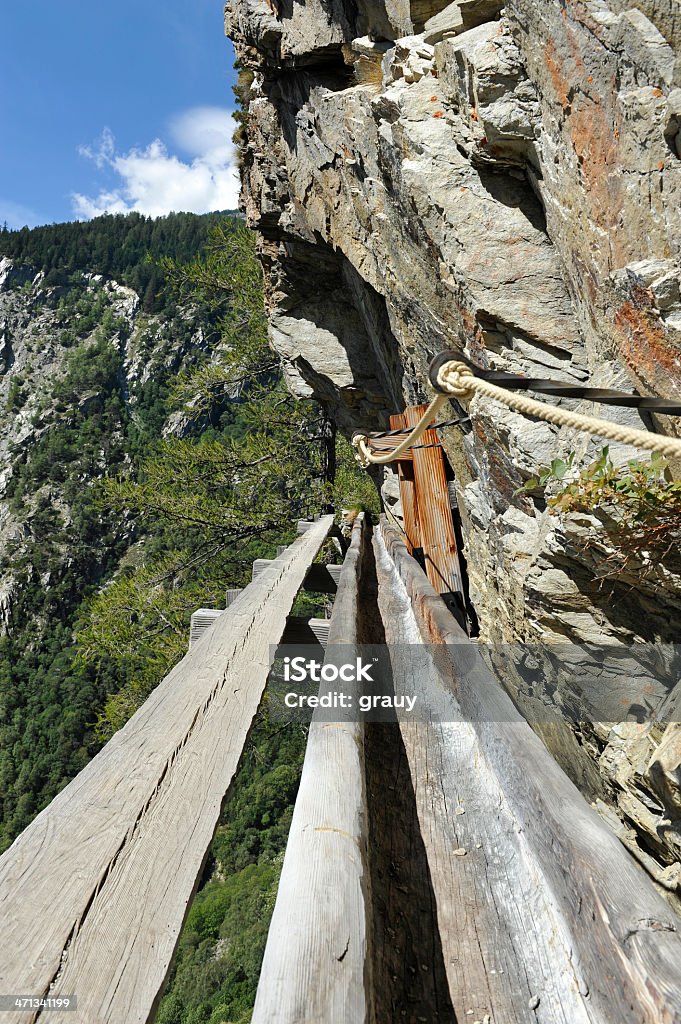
pixel 455 376
pixel 377 435
pixel 362 443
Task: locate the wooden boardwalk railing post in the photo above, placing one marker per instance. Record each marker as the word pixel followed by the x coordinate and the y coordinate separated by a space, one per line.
pixel 94 893
pixel 405 473
pixel 438 539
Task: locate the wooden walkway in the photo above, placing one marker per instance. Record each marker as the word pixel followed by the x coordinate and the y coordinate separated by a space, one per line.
pixel 94 893
pixel 446 870
pixel 440 868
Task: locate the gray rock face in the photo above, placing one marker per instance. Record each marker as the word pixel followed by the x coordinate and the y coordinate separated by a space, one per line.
pixel 506 182
pixel 459 17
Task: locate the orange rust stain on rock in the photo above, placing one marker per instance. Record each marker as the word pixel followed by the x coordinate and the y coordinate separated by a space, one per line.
pixel 576 51
pixel 471 331
pixel 596 145
pixel 593 137
pixel 657 93
pixel 556 71
pixel 644 344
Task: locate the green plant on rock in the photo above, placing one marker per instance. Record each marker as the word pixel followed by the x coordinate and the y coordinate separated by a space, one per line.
pixel 243 94
pixel 639 503
pixel 17 395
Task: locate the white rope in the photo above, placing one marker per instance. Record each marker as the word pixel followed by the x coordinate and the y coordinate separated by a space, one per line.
pixel 362 442
pixel 459 381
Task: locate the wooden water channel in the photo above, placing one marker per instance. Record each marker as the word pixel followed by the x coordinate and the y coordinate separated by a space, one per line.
pixel 438 871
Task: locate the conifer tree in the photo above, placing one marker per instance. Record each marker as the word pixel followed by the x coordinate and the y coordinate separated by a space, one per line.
pixel 212 503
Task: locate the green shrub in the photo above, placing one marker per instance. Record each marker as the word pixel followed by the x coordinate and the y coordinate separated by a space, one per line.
pixel 639 504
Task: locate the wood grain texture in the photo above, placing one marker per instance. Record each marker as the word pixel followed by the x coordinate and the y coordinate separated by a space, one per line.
pixel 405 474
pixel 438 539
pixel 545 890
pixel 94 893
pixel 383 445
pixel 319 579
pixel 315 969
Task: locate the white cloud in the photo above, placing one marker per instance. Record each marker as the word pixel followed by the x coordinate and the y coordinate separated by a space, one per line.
pixel 154 182
pixel 204 130
pixel 103 152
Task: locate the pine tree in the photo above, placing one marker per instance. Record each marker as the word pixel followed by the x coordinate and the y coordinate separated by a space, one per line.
pixel 263 460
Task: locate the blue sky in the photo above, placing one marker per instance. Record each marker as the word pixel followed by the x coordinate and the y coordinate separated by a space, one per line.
pixel 114 104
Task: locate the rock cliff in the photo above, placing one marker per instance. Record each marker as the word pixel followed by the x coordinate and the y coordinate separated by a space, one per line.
pixel 506 180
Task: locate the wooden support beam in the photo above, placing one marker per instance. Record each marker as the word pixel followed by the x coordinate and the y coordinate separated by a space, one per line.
pixel 544 918
pixel 438 540
pixel 315 969
pixel 304 631
pixel 298 630
pixel 383 445
pixel 202 620
pixel 94 892
pixel 405 474
pixel 231 596
pixel 320 579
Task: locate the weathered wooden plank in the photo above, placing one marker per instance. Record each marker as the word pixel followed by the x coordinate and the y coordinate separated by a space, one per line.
pixel 405 475
pixel 491 915
pixel 315 965
pixel 94 893
pixel 438 539
pixel 545 918
pixel 320 579
pixel 383 445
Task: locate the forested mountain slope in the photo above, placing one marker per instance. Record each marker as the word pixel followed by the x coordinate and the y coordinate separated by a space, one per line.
pixel 83 393
pixel 125 248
